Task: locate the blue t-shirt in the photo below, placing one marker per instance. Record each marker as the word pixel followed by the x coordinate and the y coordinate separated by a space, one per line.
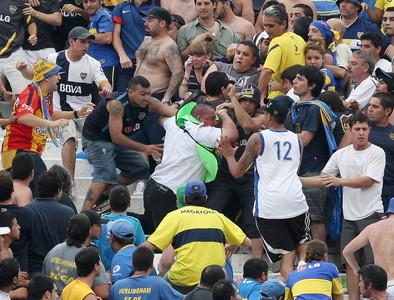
pixel 316 153
pixel 132 25
pixel 384 138
pixel 106 252
pixel 122 264
pixel 143 287
pixel 249 289
pixel 105 54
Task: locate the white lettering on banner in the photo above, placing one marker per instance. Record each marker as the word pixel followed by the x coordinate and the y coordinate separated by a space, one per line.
pixel 6 19
pixel 27 107
pixel 68 88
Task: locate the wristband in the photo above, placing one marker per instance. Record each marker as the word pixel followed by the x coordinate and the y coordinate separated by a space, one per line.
pixel 75 112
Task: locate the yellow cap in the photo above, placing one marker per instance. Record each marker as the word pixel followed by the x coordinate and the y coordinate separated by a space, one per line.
pixel 43 68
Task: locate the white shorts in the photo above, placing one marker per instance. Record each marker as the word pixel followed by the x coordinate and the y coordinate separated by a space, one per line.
pixel 8 70
pixel 34 55
pixel 72 131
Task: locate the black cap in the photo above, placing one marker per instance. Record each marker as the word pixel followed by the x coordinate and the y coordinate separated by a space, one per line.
pixel 217 79
pixel 387 77
pixel 250 92
pixel 94 217
pixel 279 106
pixel 80 33
pixel 158 12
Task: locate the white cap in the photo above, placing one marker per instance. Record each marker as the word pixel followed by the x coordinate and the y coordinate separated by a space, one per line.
pixel 4 230
pixel 259 37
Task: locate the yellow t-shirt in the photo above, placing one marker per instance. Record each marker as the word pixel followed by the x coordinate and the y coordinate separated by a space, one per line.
pixel 198 235
pixel 384 4
pixel 76 290
pixel 284 51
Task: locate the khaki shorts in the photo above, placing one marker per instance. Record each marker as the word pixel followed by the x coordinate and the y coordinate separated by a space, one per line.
pixel 72 131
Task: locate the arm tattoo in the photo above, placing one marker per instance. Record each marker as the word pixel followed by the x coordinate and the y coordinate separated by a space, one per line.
pixel 115 108
pixel 141 52
pixel 174 62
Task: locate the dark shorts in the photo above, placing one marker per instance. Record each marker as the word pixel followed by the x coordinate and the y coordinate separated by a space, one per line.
pixel 225 190
pixel 351 229
pixel 282 236
pixel 316 199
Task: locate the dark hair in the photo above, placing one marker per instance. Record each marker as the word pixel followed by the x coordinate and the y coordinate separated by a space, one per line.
pixel 64 177
pixel 85 260
pixel 9 269
pixel 376 40
pixel 315 250
pixel 301 27
pixel 375 276
pixel 212 274
pixel 22 166
pixel 6 185
pixel 314 76
pixel 308 12
pixel 315 46
pixel 254 267
pixel 48 185
pixel 123 242
pixel 278 12
pixel 143 259
pixel 252 46
pixel 386 100
pixel 223 290
pixel 119 198
pixel 78 230
pixel 269 3
pixel 290 73
pixel 333 100
pixel 391 8
pixel 179 20
pixel 213 1
pixel 6 218
pixel 214 83
pixel 138 80
pixel 359 117
pixel 38 285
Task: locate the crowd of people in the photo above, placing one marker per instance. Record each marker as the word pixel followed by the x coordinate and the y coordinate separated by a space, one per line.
pixel 261 124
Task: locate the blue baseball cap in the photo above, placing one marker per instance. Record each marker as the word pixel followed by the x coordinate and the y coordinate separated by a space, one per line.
pixel 122 229
pixel 272 289
pixel 195 188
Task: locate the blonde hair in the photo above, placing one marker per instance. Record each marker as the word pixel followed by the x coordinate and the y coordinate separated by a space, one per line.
pixel 202 48
pixel 315 46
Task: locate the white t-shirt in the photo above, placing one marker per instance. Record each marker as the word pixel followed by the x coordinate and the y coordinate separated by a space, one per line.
pixel 180 162
pixel 4 296
pixel 343 54
pixel 77 77
pixel 359 203
pixel 362 93
pixel 279 190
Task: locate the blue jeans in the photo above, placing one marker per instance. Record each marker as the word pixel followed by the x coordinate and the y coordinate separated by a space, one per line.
pixel 106 157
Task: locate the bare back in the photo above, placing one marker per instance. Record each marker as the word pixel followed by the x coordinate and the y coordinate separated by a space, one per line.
pixel 184 8
pixel 22 194
pixel 152 64
pixel 243 28
pixel 381 238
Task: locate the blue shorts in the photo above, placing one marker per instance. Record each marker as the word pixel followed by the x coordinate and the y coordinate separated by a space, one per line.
pixel 106 157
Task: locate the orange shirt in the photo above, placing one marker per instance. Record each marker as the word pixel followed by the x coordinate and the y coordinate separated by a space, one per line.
pixel 22 137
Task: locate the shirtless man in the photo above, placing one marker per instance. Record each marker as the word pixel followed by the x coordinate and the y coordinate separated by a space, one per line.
pixel 379 236
pixel 244 9
pixel 22 171
pixel 158 58
pixel 184 8
pixel 243 28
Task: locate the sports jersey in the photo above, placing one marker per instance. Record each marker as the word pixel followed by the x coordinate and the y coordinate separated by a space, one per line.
pixel 383 4
pixel 143 288
pixel 75 87
pixel 314 281
pixel 106 252
pixel 191 230
pixel 44 30
pixel 278 190
pixel 121 265
pixel 284 51
pixel 76 290
pixel 12 31
pixel 249 289
pixel 100 23
pixel 96 124
pixel 326 8
pixel 132 25
pixel 22 137
pixel 329 81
